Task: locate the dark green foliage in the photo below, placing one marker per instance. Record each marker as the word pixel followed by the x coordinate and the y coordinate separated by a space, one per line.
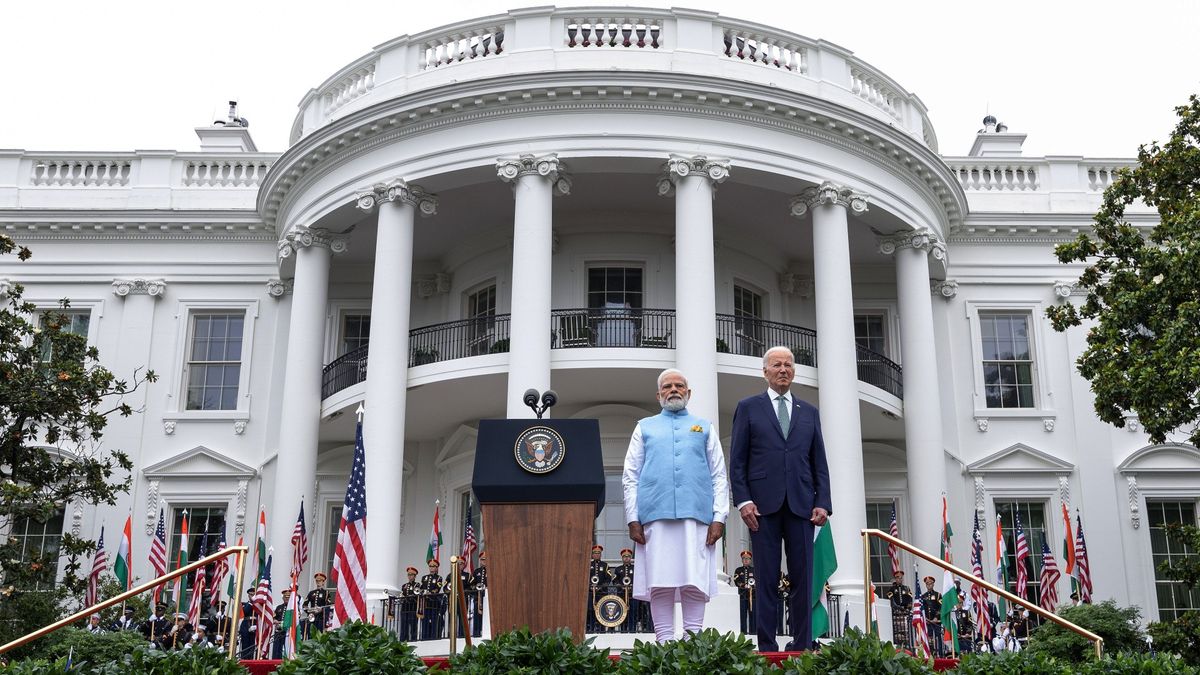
pixel 499 346
pixel 1143 290
pixel 1012 663
pixel 23 611
pixel 722 346
pixel 523 653
pixel 94 650
pixel 1118 626
pixel 1137 664
pixel 187 662
pixel 1181 636
pixel 705 653
pixel 37 667
pixel 856 652
pixel 356 648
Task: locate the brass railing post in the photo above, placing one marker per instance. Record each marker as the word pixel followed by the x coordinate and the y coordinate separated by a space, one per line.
pixel 866 580
pixel 452 598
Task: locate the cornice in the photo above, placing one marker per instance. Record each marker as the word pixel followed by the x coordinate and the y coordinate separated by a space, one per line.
pixel 1032 228
pixel 394 120
pixel 138 230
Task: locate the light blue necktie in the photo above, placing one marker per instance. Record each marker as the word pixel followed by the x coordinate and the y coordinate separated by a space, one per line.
pixel 785 418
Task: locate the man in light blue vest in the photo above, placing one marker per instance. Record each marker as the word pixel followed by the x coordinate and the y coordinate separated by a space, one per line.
pixel 676 499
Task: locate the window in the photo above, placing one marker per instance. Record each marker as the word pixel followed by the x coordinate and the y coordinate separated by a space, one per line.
pixel 356 331
pixel 1033 522
pixel 612 532
pixel 748 314
pixel 76 322
pixel 481 310
pixel 1173 597
pixel 38 542
pixel 206 529
pixel 335 523
pixel 1007 360
pixel 879 517
pixel 214 361
pixel 476 525
pixel 614 287
pixel 868 333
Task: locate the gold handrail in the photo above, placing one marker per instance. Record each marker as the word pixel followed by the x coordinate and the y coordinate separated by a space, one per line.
pixel 149 586
pixel 868 533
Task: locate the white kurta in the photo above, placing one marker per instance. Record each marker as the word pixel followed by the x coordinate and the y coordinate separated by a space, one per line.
pixel 675 554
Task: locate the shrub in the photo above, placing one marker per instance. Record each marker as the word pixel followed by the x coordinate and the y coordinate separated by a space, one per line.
pixel 856 652
pixel 148 661
pixel 1137 664
pixel 1181 636
pixel 519 651
pixel 37 667
pixel 1118 626
pixel 95 649
pixel 354 649
pixel 1011 663
pixel 707 652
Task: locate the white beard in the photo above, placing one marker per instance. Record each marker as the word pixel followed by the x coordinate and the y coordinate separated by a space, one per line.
pixel 674 405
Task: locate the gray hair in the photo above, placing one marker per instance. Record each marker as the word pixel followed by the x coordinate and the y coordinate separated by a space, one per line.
pixel 777 348
pixel 670 371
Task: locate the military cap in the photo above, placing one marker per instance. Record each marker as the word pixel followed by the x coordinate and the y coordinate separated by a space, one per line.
pixel 320 574
pixel 625 552
pixel 928 577
pixel 483 556
pixel 746 554
pixel 433 562
pixel 597 549
pixel 411 570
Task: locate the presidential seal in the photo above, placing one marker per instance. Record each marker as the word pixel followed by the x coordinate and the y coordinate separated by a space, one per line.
pixel 539 450
pixel 611 611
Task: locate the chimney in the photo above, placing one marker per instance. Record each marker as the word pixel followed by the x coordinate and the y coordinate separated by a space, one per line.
pixel 994 140
pixel 231 134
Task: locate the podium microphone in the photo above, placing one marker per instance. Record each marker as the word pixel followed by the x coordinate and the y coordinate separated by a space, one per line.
pixel 548 399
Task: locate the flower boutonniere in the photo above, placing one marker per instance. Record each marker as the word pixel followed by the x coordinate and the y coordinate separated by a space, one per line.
pixel 696 428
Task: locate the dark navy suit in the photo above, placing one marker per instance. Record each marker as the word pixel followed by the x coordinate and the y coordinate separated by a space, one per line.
pixel 786 479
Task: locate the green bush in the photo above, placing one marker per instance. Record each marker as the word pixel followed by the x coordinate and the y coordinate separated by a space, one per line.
pixel 37 667
pixel 1181 636
pixel 1011 663
pixel 1117 625
pixel 521 652
pixel 705 653
pixel 354 649
pixel 148 661
pixel 1137 664
pixel 856 652
pixel 94 649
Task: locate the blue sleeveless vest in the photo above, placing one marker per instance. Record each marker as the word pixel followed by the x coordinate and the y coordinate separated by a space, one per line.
pixel 675 482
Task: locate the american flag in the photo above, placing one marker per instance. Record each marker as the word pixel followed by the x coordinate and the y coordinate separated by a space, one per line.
pixel 919 630
pixel 350 558
pixel 1048 590
pixel 979 595
pixel 198 585
pixel 220 571
pixel 469 543
pixel 264 612
pixel 99 566
pixel 1022 556
pixel 893 550
pixel 299 544
pixel 158 550
pixel 1082 569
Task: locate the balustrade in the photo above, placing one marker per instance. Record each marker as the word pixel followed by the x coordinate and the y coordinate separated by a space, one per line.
pixel 627 33
pixel 353 85
pixel 224 173
pixel 462 46
pixel 1100 176
pixel 998 177
pixel 81 172
pixel 770 51
pixel 872 90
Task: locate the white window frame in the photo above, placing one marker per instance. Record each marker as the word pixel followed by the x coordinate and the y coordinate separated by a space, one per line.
pixel 335 320
pixel 94 308
pixel 176 408
pixel 891 325
pixel 1041 392
pixel 583 264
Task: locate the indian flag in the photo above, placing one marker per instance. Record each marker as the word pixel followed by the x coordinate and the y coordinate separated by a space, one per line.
pixel 1069 548
pixel 262 539
pixel 824 565
pixel 289 622
pixel 121 568
pixel 233 580
pixel 874 616
pixel 434 552
pixel 1001 570
pixel 949 590
pixel 183 557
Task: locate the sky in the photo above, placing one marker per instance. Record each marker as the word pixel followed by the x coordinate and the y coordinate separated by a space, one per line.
pixel 1080 78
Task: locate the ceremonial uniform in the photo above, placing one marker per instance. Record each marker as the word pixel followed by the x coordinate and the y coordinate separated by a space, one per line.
pixel 931 601
pixel 316 607
pixel 901 599
pixel 433 603
pixel 478 591
pixel 599 576
pixel 279 637
pixel 464 579
pixel 157 625
pixel 966 629
pixel 783 590
pixel 219 623
pixel 126 622
pixel 743 579
pixel 247 630
pixel 623 578
pixel 177 635
pixel 409 593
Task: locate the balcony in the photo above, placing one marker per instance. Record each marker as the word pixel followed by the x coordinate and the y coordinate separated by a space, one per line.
pixel 601 328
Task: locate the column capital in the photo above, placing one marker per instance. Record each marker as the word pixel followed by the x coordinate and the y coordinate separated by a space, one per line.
pixel 397 190
pixel 829 193
pixel 277 288
pixel 151 287
pixel 715 169
pixel 945 288
pixel 921 240
pixel 550 167
pixel 304 237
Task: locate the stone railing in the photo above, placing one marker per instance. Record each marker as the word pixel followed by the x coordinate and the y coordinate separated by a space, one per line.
pixel 1035 174
pixel 1017 176
pixel 206 172
pixel 546 40
pixel 80 172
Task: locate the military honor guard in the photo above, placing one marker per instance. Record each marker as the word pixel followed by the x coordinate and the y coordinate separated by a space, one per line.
pixel 126 622
pixel 931 601
pixel 478 592
pixel 316 607
pixel 599 576
pixel 901 599
pixel 432 602
pixel 623 577
pixel 218 623
pixel 743 579
pixel 409 593
pixel 247 630
pixel 158 624
pixel 280 637
pixel 966 628
pixel 783 591
pixel 177 636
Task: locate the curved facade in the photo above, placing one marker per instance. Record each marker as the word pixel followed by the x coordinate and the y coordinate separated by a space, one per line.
pixel 549 198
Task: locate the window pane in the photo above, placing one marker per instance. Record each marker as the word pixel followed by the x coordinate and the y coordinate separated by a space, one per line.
pixel 38 542
pixel 214 363
pixel 1007 360
pixel 1173 597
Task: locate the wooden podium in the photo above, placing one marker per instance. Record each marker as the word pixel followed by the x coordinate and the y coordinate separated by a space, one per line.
pixel 538 519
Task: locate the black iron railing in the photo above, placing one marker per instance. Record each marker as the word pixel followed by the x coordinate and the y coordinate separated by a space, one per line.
pixel 613 327
pixel 345 371
pixel 458 339
pixel 752 337
pixel 877 369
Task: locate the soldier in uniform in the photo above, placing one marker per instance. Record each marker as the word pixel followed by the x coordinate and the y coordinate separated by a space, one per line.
pixel 126 622
pixel 247 630
pixel 408 606
pixel 478 591
pixel 931 601
pixel 316 607
pixel 783 590
pixel 743 578
pixel 433 597
pixel 1018 618
pixel 157 625
pixel 901 599
pixel 623 575
pixel 279 637
pixel 966 628
pixel 219 623
pixel 599 576
pixel 177 636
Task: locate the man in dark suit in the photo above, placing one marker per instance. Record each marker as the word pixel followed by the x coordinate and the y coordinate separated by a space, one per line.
pixel 780 482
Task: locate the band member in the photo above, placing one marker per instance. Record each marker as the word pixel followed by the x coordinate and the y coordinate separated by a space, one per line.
pixel 623 578
pixel 901 599
pixel 743 579
pixel 316 606
pixel 783 591
pixel 599 576
pixel 931 601
pixel 966 628
pixel 464 587
pixel 432 602
pixel 280 637
pixel 409 593
pixel 478 592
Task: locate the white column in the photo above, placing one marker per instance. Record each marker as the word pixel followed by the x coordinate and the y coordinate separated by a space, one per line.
pixel 535 180
pixel 694 180
pixel 837 376
pixel 922 401
pixel 300 416
pixel 387 376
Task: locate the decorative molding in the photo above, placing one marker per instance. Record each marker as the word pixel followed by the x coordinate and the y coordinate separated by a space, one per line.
pixel 1135 502
pixel 550 167
pixel 1064 490
pixel 429 285
pixel 5 286
pixel 198 226
pixel 277 288
pixel 77 520
pixel 151 287
pixel 152 507
pixel 1064 289
pixel 1048 424
pixel 981 423
pixel 1020 459
pixel 169 427
pixel 922 240
pixel 303 236
pixel 828 192
pixel 199 462
pixel 1174 459
pixel 398 191
pixel 1132 424
pixel 682 166
pixel 239 523
pixel 980 496
pixel 239 426
pixel 945 288
pixel 798 285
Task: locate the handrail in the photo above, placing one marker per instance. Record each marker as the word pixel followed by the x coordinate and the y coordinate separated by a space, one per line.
pixel 149 586
pixel 871 532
